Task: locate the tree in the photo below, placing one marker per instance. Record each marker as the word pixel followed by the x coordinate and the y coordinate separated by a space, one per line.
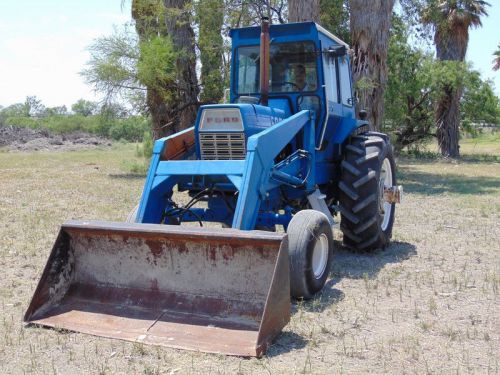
pixel 408 99
pixel 14 110
pixel 299 10
pixel 451 20
pixel 479 102
pixel 334 16
pixel 181 33
pixel 210 16
pixel 496 60
pixel 56 111
pixel 370 22
pixel 84 107
pixel 33 107
pixel 168 25
pixel 112 68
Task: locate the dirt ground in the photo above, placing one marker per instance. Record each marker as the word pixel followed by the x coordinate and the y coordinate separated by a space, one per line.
pixel 428 304
pixel 15 138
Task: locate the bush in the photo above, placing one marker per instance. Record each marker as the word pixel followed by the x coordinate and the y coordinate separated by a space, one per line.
pixel 131 129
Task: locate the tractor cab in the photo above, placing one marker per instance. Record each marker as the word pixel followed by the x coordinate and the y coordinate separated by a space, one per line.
pixel 308 69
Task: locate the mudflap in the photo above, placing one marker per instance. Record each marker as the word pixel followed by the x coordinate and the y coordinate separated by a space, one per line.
pixel 213 290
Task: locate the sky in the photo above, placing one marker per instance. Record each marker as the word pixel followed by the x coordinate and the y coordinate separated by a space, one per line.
pixel 43 46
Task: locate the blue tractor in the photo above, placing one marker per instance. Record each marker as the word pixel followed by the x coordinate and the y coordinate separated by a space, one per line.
pixel 286 151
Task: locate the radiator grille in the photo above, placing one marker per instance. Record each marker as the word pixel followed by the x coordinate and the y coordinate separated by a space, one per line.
pixel 222 146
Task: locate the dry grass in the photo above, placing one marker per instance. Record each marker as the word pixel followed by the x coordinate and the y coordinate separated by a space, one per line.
pixel 486 146
pixel 427 304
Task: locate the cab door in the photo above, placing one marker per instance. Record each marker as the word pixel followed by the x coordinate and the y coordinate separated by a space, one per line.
pixel 345 84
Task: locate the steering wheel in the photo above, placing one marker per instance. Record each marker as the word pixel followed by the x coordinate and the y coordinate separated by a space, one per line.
pixel 289 83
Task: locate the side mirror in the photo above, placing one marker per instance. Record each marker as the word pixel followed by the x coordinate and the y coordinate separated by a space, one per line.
pixel 336 51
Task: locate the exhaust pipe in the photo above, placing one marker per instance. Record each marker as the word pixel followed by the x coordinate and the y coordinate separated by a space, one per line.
pixel 264 61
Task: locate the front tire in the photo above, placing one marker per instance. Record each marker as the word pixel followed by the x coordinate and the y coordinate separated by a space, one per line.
pixel 310 248
pixel 366 218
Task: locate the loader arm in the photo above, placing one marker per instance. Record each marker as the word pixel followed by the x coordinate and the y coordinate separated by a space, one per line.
pixel 262 150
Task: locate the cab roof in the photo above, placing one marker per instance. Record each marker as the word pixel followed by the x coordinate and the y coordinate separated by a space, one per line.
pixel 287 32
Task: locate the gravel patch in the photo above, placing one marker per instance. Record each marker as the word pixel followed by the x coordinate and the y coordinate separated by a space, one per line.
pixel 22 139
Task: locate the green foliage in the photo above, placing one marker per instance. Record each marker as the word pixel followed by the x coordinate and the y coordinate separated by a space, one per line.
pixel 210 17
pixel 496 60
pixel 416 82
pixel 156 65
pixel 129 129
pixel 112 121
pixel 148 16
pixel 14 110
pixel 334 16
pixel 479 102
pixel 445 75
pixel 32 107
pixel 145 149
pixel 84 107
pixel 56 111
pixel 112 66
pixel 56 123
pixel 408 113
pixel 450 16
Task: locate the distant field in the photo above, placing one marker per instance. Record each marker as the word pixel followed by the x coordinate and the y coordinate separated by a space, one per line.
pixel 428 304
pixel 485 145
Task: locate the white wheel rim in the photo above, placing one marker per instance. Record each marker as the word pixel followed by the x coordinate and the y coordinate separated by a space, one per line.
pixel 320 256
pixel 385 181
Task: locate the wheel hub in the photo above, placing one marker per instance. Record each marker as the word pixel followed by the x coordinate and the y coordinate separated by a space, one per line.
pixel 320 256
pixel 385 182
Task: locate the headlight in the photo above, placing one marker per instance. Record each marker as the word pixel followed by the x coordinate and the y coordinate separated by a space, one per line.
pixel 223 119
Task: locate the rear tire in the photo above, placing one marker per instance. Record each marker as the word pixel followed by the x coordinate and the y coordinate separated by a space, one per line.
pixel 366 219
pixel 310 248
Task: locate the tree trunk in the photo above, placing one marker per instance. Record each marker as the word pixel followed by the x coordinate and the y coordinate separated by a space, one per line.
pixel 160 116
pixel 370 24
pixel 179 29
pixel 447 122
pixel 300 10
pixel 450 46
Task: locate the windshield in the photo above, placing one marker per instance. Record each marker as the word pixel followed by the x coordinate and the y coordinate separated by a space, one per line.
pixel 292 68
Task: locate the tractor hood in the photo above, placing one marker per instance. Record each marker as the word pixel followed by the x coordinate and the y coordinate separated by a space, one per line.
pixel 221 125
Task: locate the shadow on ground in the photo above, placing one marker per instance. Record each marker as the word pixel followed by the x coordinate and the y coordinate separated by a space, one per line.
pixel 346 264
pixel 285 343
pixel 432 157
pixel 432 183
pixel 354 265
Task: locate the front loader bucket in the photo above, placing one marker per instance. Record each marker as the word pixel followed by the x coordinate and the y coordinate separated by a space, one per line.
pixel 214 290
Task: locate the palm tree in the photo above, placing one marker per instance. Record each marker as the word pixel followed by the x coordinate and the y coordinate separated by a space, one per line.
pixel 451 20
pixel 496 60
pixel 370 22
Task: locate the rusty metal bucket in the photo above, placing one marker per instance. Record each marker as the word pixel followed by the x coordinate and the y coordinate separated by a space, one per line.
pixel 214 290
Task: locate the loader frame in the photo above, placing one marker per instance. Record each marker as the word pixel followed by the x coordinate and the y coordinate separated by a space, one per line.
pixel 253 177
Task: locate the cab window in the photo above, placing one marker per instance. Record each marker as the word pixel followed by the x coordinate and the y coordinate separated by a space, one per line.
pixel 292 68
